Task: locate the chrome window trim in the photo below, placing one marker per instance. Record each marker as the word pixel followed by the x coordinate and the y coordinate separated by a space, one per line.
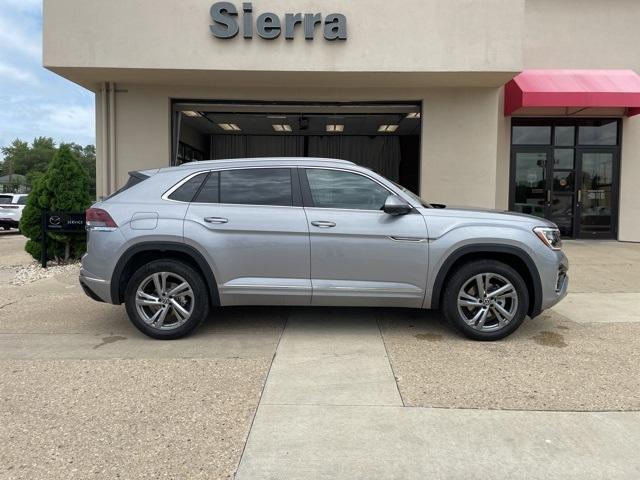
pixel 389 189
pixel 165 195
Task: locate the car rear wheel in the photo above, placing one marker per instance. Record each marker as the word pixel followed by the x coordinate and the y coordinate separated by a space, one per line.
pixel 486 300
pixel 166 299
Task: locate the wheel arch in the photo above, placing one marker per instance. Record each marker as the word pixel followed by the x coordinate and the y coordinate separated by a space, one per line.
pixel 142 253
pixel 513 256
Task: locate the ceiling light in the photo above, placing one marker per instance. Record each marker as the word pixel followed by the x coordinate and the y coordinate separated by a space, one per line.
pixel 229 127
pixel 190 113
pixel 335 128
pixel 387 128
pixel 276 116
pixel 281 128
pixel 413 115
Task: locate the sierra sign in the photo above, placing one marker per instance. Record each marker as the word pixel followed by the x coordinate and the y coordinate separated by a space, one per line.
pixel 269 25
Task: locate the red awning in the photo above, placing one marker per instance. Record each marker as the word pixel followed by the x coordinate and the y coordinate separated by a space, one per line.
pixel 576 89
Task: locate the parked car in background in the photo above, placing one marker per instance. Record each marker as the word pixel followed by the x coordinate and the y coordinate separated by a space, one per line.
pixel 290 231
pixel 11 207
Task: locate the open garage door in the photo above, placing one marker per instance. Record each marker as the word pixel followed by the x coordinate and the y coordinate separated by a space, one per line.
pixel 384 137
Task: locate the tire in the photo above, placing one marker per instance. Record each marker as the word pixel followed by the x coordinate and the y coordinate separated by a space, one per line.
pixel 144 302
pixel 469 316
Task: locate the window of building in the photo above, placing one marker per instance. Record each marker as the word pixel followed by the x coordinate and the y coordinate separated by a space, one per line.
pixel 598 134
pixel 338 189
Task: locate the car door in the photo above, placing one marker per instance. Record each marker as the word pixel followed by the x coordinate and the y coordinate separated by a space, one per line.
pixel 254 229
pixel 361 255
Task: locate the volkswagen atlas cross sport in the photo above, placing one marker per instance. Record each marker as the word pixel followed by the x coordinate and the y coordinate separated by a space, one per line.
pixel 174 242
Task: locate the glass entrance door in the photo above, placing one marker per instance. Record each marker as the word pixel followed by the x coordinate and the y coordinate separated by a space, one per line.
pixel 566 170
pixel 545 185
pixel 597 199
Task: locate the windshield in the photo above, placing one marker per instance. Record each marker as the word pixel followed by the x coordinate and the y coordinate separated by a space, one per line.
pixel 412 195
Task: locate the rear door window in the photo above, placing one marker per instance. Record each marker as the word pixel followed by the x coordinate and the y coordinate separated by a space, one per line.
pixel 251 186
pixel 187 191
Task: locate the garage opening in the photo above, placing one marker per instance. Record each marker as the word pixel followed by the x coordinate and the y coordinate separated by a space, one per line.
pixel 384 137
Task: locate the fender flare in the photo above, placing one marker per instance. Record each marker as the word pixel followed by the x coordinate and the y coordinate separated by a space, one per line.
pixel 535 307
pixel 183 248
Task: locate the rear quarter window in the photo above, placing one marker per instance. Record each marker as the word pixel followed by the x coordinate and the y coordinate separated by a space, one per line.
pixel 134 179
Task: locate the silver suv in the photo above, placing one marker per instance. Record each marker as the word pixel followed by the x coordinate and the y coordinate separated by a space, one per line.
pixel 174 242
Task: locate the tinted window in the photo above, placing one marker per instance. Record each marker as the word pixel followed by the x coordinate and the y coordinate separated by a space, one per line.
pixel 338 189
pixel 134 179
pixel 188 189
pixel 22 200
pixel 564 135
pixel 258 186
pixel 210 189
pixel 531 135
pixel 606 134
pixel 4 199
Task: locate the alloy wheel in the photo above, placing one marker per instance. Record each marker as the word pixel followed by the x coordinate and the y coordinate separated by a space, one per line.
pixel 164 300
pixel 487 302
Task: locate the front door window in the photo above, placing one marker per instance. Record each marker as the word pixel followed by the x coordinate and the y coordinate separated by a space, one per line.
pixel 566 171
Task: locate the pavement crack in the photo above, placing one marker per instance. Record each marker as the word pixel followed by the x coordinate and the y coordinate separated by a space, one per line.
pixel 108 340
pixel 7 304
pixel 395 379
pixel 264 386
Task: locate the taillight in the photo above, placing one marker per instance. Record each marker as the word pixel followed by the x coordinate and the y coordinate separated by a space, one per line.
pixel 99 219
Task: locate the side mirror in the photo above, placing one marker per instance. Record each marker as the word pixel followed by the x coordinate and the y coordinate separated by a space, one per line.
pixel 394 205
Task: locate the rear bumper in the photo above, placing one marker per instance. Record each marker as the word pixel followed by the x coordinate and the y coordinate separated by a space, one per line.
pixel 95 288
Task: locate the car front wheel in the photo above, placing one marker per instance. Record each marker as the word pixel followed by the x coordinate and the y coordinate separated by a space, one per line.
pixel 166 299
pixel 486 300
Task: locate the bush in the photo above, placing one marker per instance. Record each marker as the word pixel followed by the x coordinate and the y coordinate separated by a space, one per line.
pixel 64 187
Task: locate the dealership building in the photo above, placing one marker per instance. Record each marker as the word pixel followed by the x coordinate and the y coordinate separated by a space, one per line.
pixel 526 105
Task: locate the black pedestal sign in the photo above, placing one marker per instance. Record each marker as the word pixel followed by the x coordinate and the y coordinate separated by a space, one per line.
pixel 59 222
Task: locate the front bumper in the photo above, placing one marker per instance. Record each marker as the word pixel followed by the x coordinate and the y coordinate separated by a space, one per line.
pixel 9 223
pixel 556 282
pixel 95 288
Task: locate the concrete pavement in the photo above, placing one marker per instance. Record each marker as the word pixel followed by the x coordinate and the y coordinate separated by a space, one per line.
pixel 559 399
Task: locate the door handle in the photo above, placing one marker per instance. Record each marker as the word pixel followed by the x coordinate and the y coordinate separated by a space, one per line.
pixel 216 220
pixel 323 224
pixel 579 197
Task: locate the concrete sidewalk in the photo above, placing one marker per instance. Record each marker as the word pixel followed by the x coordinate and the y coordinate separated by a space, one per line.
pixel 331 409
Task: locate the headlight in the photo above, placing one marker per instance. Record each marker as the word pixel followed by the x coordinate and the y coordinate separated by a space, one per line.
pixel 550 237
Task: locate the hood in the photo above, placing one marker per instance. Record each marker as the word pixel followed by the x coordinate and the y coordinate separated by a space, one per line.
pixel 484 213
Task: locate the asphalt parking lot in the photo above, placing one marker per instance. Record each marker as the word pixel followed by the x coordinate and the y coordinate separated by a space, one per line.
pixel 320 393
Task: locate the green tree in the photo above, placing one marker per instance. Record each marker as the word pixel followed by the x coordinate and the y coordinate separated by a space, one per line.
pixel 87 157
pixel 32 160
pixel 63 187
pixel 14 156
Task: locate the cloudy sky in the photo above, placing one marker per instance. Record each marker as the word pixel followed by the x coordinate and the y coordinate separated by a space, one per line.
pixel 34 101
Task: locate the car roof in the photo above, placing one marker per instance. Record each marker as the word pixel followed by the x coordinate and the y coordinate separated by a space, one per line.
pixel 261 162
